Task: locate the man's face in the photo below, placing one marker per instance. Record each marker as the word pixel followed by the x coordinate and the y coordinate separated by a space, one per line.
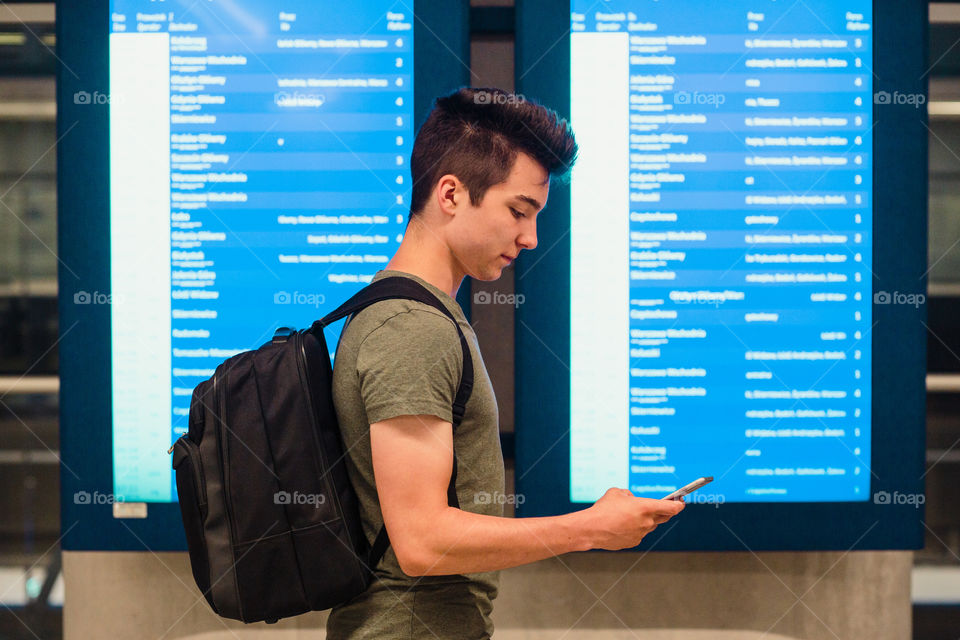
pixel 485 239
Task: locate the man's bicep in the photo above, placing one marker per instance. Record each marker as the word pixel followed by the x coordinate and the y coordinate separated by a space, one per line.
pixel 412 463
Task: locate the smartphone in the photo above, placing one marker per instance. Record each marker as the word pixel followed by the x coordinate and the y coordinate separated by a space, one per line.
pixel 690 488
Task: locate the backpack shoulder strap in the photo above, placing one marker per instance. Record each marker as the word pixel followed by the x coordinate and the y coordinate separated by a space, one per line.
pixel 405 288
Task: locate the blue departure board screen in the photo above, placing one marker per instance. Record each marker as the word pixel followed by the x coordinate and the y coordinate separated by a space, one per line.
pixel 720 249
pixel 258 175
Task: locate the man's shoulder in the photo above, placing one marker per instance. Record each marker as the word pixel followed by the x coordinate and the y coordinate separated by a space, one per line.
pixel 398 317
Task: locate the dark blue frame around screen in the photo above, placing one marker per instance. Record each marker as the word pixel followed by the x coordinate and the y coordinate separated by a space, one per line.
pixel 899 335
pixel 441 65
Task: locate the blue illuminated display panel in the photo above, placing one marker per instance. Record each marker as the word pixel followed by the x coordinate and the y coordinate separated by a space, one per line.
pixel 258 175
pixel 721 219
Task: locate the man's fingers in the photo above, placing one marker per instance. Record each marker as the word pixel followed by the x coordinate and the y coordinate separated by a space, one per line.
pixel 667 507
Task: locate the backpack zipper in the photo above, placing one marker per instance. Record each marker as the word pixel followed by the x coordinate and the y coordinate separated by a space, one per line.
pixel 305 379
pixel 220 399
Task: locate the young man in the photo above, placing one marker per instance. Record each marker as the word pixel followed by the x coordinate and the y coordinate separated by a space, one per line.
pixel 481 169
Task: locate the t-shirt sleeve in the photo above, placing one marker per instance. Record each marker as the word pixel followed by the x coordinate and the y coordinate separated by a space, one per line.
pixel 410 365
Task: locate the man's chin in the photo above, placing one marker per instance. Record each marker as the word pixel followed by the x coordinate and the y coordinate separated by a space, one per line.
pixel 489 275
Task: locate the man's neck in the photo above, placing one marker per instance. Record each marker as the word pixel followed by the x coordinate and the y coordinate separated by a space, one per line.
pixel 423 254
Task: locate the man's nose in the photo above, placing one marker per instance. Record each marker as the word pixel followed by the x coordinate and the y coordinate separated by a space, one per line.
pixel 528 239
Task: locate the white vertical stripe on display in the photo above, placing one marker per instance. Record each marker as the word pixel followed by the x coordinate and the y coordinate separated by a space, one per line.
pixel 140 263
pixel 599 266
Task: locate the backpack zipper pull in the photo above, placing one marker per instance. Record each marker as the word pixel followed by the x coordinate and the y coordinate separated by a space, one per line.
pixel 170 450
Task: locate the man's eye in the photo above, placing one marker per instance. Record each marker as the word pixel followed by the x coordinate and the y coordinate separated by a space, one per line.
pixel 516 214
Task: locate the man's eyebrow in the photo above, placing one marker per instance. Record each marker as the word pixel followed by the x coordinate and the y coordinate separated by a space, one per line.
pixel 533 202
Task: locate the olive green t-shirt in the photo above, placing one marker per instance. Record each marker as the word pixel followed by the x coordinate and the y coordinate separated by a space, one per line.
pixel 402 357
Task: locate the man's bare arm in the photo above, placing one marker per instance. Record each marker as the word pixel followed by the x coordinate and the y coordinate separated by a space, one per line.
pixel 412 462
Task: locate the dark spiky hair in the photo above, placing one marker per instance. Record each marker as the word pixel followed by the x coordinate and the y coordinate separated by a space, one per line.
pixel 475 134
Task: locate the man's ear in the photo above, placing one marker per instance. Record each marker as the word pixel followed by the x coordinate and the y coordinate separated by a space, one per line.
pixel 450 194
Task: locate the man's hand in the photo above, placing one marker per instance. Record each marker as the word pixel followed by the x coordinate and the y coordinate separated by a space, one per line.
pixel 620 520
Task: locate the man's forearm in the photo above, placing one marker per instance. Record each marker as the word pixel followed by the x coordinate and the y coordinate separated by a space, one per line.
pixel 456 541
pixel 431 538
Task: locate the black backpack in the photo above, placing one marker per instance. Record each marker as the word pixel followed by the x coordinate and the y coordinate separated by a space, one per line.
pixel 271 519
